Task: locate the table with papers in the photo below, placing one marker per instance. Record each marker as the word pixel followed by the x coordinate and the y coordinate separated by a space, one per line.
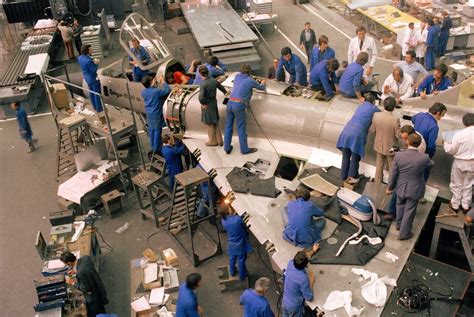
pixel 386 16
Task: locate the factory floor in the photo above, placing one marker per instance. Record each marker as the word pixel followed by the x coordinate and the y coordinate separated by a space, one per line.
pixel 28 191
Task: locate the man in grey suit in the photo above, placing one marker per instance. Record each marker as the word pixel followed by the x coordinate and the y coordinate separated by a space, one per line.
pixel 386 127
pixel 407 180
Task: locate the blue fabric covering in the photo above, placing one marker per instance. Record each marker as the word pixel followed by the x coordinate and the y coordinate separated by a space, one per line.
pixel 301 230
pixel 296 289
pixel 320 76
pixel 351 80
pixel 317 56
pixel 428 85
pixel 142 54
pixel 295 67
pixel 24 124
pixel 427 125
pixel 214 72
pixel 255 305
pixel 186 306
pixel 354 135
pixel 89 72
pixel 174 165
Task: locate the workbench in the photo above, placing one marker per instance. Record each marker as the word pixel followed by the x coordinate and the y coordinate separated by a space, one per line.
pixel 387 17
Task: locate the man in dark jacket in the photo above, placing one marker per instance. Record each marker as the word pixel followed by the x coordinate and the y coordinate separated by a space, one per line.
pixel 307 39
pixel 88 282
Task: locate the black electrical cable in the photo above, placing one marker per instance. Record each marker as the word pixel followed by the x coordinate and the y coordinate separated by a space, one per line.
pixel 109 248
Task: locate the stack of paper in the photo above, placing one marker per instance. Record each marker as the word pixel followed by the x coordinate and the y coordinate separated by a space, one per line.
pixel 158 296
pixel 140 304
pixel 150 273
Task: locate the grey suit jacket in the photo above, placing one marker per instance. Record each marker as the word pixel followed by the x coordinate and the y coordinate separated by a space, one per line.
pixel 407 175
pixel 386 128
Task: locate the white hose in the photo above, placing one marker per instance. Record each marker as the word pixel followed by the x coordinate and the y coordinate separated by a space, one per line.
pixel 355 235
pixel 375 215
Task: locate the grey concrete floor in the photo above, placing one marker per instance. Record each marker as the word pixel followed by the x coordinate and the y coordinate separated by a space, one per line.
pixel 28 193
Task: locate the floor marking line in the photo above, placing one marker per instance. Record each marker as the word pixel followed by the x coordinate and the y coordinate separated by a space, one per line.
pixel 30 116
pixel 289 41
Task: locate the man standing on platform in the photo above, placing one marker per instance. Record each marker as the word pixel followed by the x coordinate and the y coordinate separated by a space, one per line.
pixel 187 305
pixel 172 151
pixel 154 98
pixel 462 171
pixel 307 39
pixel 407 181
pixel 88 282
pixel 89 71
pixel 363 43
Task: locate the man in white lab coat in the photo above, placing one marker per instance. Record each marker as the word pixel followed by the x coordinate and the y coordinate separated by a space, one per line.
pixel 409 39
pixel 462 171
pixel 363 43
pixel 421 36
pixel 398 85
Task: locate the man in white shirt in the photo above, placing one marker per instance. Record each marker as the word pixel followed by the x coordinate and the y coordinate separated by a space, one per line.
pixel 421 36
pixel 363 43
pixel 398 85
pixel 462 171
pixel 411 67
pixel 409 41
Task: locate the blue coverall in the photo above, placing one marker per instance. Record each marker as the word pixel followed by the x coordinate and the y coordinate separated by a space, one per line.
pixel 187 304
pixel 89 72
pixel 317 56
pixel 24 124
pixel 174 165
pixel 296 289
pixel 431 46
pixel 323 80
pixel 141 54
pixel 255 305
pixel 154 98
pixel 295 67
pixel 353 138
pixel 428 85
pixel 214 72
pixel 427 125
pixel 202 211
pixel 239 99
pixel 302 230
pixel 444 35
pixel 237 244
pixel 351 81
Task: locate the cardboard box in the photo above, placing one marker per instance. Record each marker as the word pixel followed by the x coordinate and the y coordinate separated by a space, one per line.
pixel 60 96
pixel 154 284
pixel 171 259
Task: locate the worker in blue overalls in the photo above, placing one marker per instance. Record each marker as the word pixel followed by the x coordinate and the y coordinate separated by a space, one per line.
pixel 444 33
pixel 154 98
pixel 323 77
pixel 142 55
pixel 89 72
pixel 215 67
pixel 25 128
pixel 433 84
pixel 431 44
pixel 292 64
pixel 237 241
pixel 172 151
pixel 238 101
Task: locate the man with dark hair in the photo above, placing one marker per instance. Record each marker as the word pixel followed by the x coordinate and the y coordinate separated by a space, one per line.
pixel 398 85
pixel 293 65
pixel 209 109
pixel 238 101
pixel 462 170
pixel 363 43
pixel 323 77
pixel 352 83
pixel 431 45
pixel 433 84
pixel 300 228
pixel 307 39
pixel 321 52
pixel 427 124
pixel 172 150
pixel 154 98
pixel 177 78
pixel 254 301
pixel 67 35
pixel 407 181
pixel 444 33
pixel 405 131
pixel 25 128
pixel 143 58
pixel 411 67
pixel 88 282
pixel 216 68
pixel 187 304
pixel 409 39
pixel 77 31
pixel 89 72
pixel 386 127
pixel 237 237
pixel 298 284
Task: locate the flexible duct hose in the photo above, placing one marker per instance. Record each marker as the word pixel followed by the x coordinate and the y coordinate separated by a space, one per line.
pixel 355 235
pixel 375 215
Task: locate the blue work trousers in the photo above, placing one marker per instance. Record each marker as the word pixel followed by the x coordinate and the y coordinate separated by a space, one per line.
pixel 240 259
pixel 442 43
pixel 298 312
pixel 155 140
pixel 350 164
pixel 202 210
pixel 138 74
pixel 236 111
pixel 430 58
pixel 95 99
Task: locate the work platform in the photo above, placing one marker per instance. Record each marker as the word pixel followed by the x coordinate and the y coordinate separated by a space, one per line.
pixel 267 226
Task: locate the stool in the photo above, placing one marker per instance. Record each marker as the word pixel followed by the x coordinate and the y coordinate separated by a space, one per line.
pixel 65 204
pixel 143 183
pixel 230 283
pixel 112 202
pixel 454 224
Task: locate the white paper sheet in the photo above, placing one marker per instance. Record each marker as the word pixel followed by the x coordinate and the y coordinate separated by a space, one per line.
pixel 55 264
pixel 157 296
pixel 140 304
pixel 151 273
